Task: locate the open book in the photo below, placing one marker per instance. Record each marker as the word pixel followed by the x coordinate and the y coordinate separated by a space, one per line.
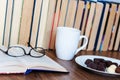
pixel 26 64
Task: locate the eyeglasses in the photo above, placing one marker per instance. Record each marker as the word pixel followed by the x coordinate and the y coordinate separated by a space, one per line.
pixel 18 51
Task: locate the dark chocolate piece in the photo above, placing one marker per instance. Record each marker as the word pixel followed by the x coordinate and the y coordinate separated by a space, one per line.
pixel 117 70
pixel 108 63
pixel 92 65
pixel 101 67
pixel 88 61
pixel 115 64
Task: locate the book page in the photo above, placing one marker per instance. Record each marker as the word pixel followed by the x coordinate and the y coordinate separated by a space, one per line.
pixel 6 60
pixel 10 64
pixel 22 64
pixel 42 63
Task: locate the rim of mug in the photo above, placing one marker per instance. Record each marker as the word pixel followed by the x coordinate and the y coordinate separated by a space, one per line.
pixel 67 27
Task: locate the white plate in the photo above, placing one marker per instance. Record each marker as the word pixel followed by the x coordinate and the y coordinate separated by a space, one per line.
pixel 80 60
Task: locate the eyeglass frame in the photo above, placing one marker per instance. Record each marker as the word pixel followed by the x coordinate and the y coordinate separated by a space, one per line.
pixel 43 51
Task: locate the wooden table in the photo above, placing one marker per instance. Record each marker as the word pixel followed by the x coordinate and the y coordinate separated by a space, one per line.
pixel 75 71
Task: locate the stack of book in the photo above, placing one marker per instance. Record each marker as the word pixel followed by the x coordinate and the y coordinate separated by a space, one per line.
pixel 99 21
pixel 36 21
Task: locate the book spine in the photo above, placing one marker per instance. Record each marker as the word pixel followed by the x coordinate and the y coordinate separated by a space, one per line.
pixel 102 25
pixel 17 9
pixel 9 16
pixel 117 41
pixel 85 14
pixel 98 12
pixel 3 5
pixel 75 13
pixel 107 18
pixel 63 12
pixel 55 23
pixel 71 13
pixel 109 27
pixel 37 16
pixel 49 23
pixel 42 24
pixel 90 21
pixel 79 14
pixel 7 22
pixel 26 21
pixel 114 28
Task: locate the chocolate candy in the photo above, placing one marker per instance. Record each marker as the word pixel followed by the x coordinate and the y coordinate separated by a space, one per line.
pixel 88 61
pixel 101 64
pixel 101 67
pixel 108 63
pixel 92 65
pixel 117 70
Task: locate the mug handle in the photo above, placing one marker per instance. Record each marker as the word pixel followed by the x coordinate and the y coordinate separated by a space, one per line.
pixel 84 45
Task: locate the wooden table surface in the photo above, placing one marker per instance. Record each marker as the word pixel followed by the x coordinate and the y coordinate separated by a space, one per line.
pixel 75 71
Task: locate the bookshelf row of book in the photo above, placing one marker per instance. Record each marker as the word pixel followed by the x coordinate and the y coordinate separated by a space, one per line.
pixel 36 21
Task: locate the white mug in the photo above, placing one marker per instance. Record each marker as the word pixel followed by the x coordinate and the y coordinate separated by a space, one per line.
pixel 67 40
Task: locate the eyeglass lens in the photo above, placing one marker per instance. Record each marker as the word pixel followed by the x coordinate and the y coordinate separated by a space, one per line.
pixel 19 51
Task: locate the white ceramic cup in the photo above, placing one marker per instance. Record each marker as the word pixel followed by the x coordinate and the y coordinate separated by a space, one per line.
pixel 67 40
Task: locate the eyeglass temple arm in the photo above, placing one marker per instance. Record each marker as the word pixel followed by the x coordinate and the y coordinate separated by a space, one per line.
pixel 2 51
pixel 29 45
